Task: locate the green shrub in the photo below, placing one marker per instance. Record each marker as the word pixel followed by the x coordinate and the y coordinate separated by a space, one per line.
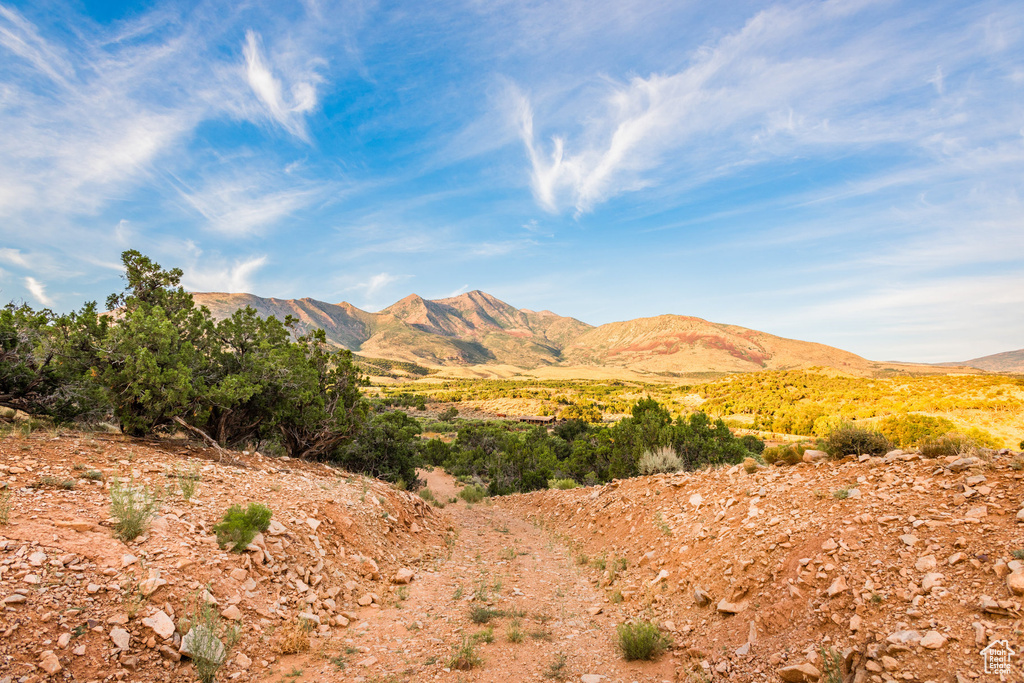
pixel 239 527
pixel 481 614
pixel 133 507
pixel 946 445
pixel 661 460
pixel 786 454
pixel 472 494
pixel 209 642
pixel 5 507
pixel 464 657
pixel 752 443
pixel 852 440
pixel 448 414
pixel 562 484
pixel 641 640
pixel 514 631
pixel 911 430
pixel 427 495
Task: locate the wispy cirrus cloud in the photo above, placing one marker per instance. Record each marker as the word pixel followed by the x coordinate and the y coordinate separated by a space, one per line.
pixel 38 291
pixel 221 275
pixel 788 82
pixel 288 112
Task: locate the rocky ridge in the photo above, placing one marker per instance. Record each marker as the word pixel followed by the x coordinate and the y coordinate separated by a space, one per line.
pixel 78 604
pixel 901 568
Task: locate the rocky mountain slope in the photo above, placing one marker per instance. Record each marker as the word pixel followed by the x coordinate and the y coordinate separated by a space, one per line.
pixel 79 604
pixel 1009 362
pixel 903 568
pixel 477 329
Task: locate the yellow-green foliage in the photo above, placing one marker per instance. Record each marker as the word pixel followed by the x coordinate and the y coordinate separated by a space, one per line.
pixel 786 454
pixel 562 484
pixel 912 430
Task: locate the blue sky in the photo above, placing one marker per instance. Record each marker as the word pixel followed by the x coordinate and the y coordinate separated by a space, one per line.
pixel 843 172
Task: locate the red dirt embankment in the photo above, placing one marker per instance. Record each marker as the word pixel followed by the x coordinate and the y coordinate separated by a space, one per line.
pixel 908 567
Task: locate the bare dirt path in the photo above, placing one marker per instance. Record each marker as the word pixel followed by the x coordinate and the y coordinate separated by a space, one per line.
pixel 547 620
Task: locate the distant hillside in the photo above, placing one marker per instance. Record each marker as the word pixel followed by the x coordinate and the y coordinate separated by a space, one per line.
pixel 477 329
pixel 1007 362
pixel 470 329
pixel 673 343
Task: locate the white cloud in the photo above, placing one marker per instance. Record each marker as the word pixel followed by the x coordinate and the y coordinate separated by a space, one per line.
pixel 38 290
pixel 267 87
pixel 13 256
pixel 243 205
pixel 21 37
pixel 375 283
pixel 791 80
pixel 219 277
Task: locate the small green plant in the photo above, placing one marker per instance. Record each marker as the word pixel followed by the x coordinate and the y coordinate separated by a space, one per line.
pixel 208 641
pixel 558 669
pixel 402 593
pixel 133 507
pixel 850 440
pixel 663 459
pixel 508 554
pixel 841 494
pixel 132 598
pixel 514 631
pixel 616 597
pixel 876 598
pixel 784 455
pixel 599 563
pixel 93 475
pixel 239 527
pixel 620 564
pixel 582 559
pixel 188 481
pixel 641 640
pixel 480 614
pixel 562 484
pixel 663 525
pixel 946 445
pixel 458 594
pixel 464 656
pixel 427 495
pixel 484 636
pixel 5 507
pixel 472 494
pixel 1018 554
pixel 750 465
pixel 831 665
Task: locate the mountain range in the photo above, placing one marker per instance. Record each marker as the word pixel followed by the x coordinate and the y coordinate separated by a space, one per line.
pixel 477 329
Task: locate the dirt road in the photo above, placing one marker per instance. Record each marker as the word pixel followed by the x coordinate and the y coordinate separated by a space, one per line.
pixel 545 617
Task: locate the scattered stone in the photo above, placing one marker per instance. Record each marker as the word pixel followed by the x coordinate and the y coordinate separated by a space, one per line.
pixel 702 597
pixel 592 678
pixel 238 574
pixel 160 624
pixel 242 661
pixel 232 612
pixel 933 640
pixel 365 600
pixel 403 576
pixel 931 581
pixel 838 586
pixel 49 663
pixel 799 673
pixel 309 617
pixel 910 539
pixel 16 599
pixel 121 638
pixel 662 575
pixel 926 563
pixel 151 585
pixel 200 640
pixel 1015 582
pixel 727 607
